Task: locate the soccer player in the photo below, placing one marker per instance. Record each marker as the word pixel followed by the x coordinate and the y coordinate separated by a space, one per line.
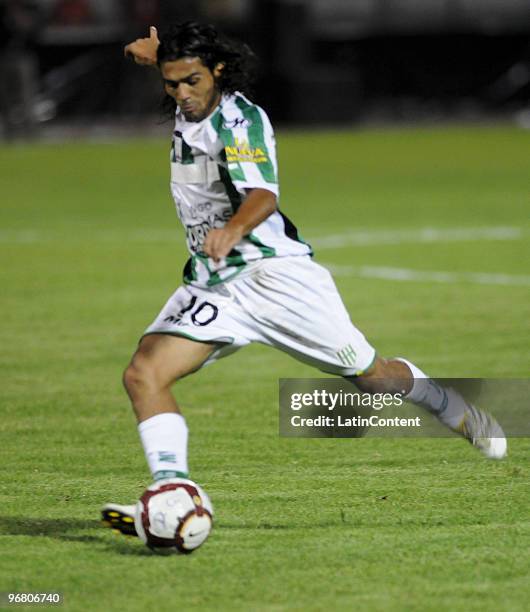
pixel 250 277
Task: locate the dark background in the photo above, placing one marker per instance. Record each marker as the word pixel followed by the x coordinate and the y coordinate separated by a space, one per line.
pixel 322 61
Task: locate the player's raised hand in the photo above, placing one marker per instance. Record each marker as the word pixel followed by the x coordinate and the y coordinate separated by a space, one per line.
pixel 143 50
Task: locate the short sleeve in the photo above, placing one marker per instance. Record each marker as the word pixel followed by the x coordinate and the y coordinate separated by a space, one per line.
pixel 248 146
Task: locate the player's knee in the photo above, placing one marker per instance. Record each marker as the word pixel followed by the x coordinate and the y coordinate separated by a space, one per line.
pixel 139 377
pixel 377 379
pixel 130 378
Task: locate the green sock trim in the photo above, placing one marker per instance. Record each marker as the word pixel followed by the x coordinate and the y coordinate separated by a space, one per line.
pixel 163 474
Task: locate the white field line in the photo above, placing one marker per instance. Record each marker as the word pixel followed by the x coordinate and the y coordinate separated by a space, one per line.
pixel 407 275
pixel 352 238
pixel 422 235
pixel 32 236
pixel 358 237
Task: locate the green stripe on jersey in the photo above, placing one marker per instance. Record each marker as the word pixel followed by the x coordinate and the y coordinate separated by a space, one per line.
pixel 216 278
pixel 233 194
pixel 265 250
pixel 187 156
pixel 234 168
pixel 256 136
pixel 234 260
pixel 190 269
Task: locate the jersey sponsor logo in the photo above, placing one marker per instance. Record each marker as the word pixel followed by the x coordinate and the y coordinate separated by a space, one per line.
pixel 241 151
pixel 193 212
pixel 196 234
pixel 231 124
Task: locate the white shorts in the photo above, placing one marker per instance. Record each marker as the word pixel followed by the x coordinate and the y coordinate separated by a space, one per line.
pixel 290 303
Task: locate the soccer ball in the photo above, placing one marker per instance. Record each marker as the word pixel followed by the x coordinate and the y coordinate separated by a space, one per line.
pixel 174 515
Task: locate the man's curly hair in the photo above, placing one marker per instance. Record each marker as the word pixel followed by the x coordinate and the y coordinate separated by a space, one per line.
pixel 191 39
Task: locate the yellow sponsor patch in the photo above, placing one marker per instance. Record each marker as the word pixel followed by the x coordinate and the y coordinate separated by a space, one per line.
pixel 241 151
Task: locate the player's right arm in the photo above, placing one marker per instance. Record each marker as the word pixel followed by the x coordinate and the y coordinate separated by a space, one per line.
pixel 143 50
pixel 257 206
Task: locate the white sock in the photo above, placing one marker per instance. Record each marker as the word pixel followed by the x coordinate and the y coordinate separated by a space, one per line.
pixel 165 441
pixel 446 404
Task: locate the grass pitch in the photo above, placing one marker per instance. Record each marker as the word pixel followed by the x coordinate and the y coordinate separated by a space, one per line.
pixel 91 249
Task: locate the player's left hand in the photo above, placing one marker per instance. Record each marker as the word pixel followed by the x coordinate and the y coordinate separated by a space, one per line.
pixel 219 242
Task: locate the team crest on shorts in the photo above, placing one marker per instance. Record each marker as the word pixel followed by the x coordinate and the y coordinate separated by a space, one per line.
pixel 347 355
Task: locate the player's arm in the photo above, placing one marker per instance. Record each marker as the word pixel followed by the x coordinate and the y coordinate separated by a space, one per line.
pixel 143 50
pixel 256 207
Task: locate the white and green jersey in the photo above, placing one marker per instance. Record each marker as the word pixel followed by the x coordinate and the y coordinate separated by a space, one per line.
pixel 213 163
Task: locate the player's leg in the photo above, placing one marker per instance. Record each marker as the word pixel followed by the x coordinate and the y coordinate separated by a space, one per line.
pixel 385 376
pixel 159 361
pixel 449 407
pixel 401 376
pixel 298 309
pixel 193 328
pixel 157 364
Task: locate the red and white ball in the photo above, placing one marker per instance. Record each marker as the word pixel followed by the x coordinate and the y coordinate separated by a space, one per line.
pixel 174 514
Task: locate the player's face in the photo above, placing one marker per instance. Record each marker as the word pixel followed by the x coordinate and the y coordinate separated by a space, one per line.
pixel 193 86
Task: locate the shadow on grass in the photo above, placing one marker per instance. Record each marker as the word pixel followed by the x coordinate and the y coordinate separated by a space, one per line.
pixel 71 530
pixel 253 527
pixel 62 529
pixel 68 530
